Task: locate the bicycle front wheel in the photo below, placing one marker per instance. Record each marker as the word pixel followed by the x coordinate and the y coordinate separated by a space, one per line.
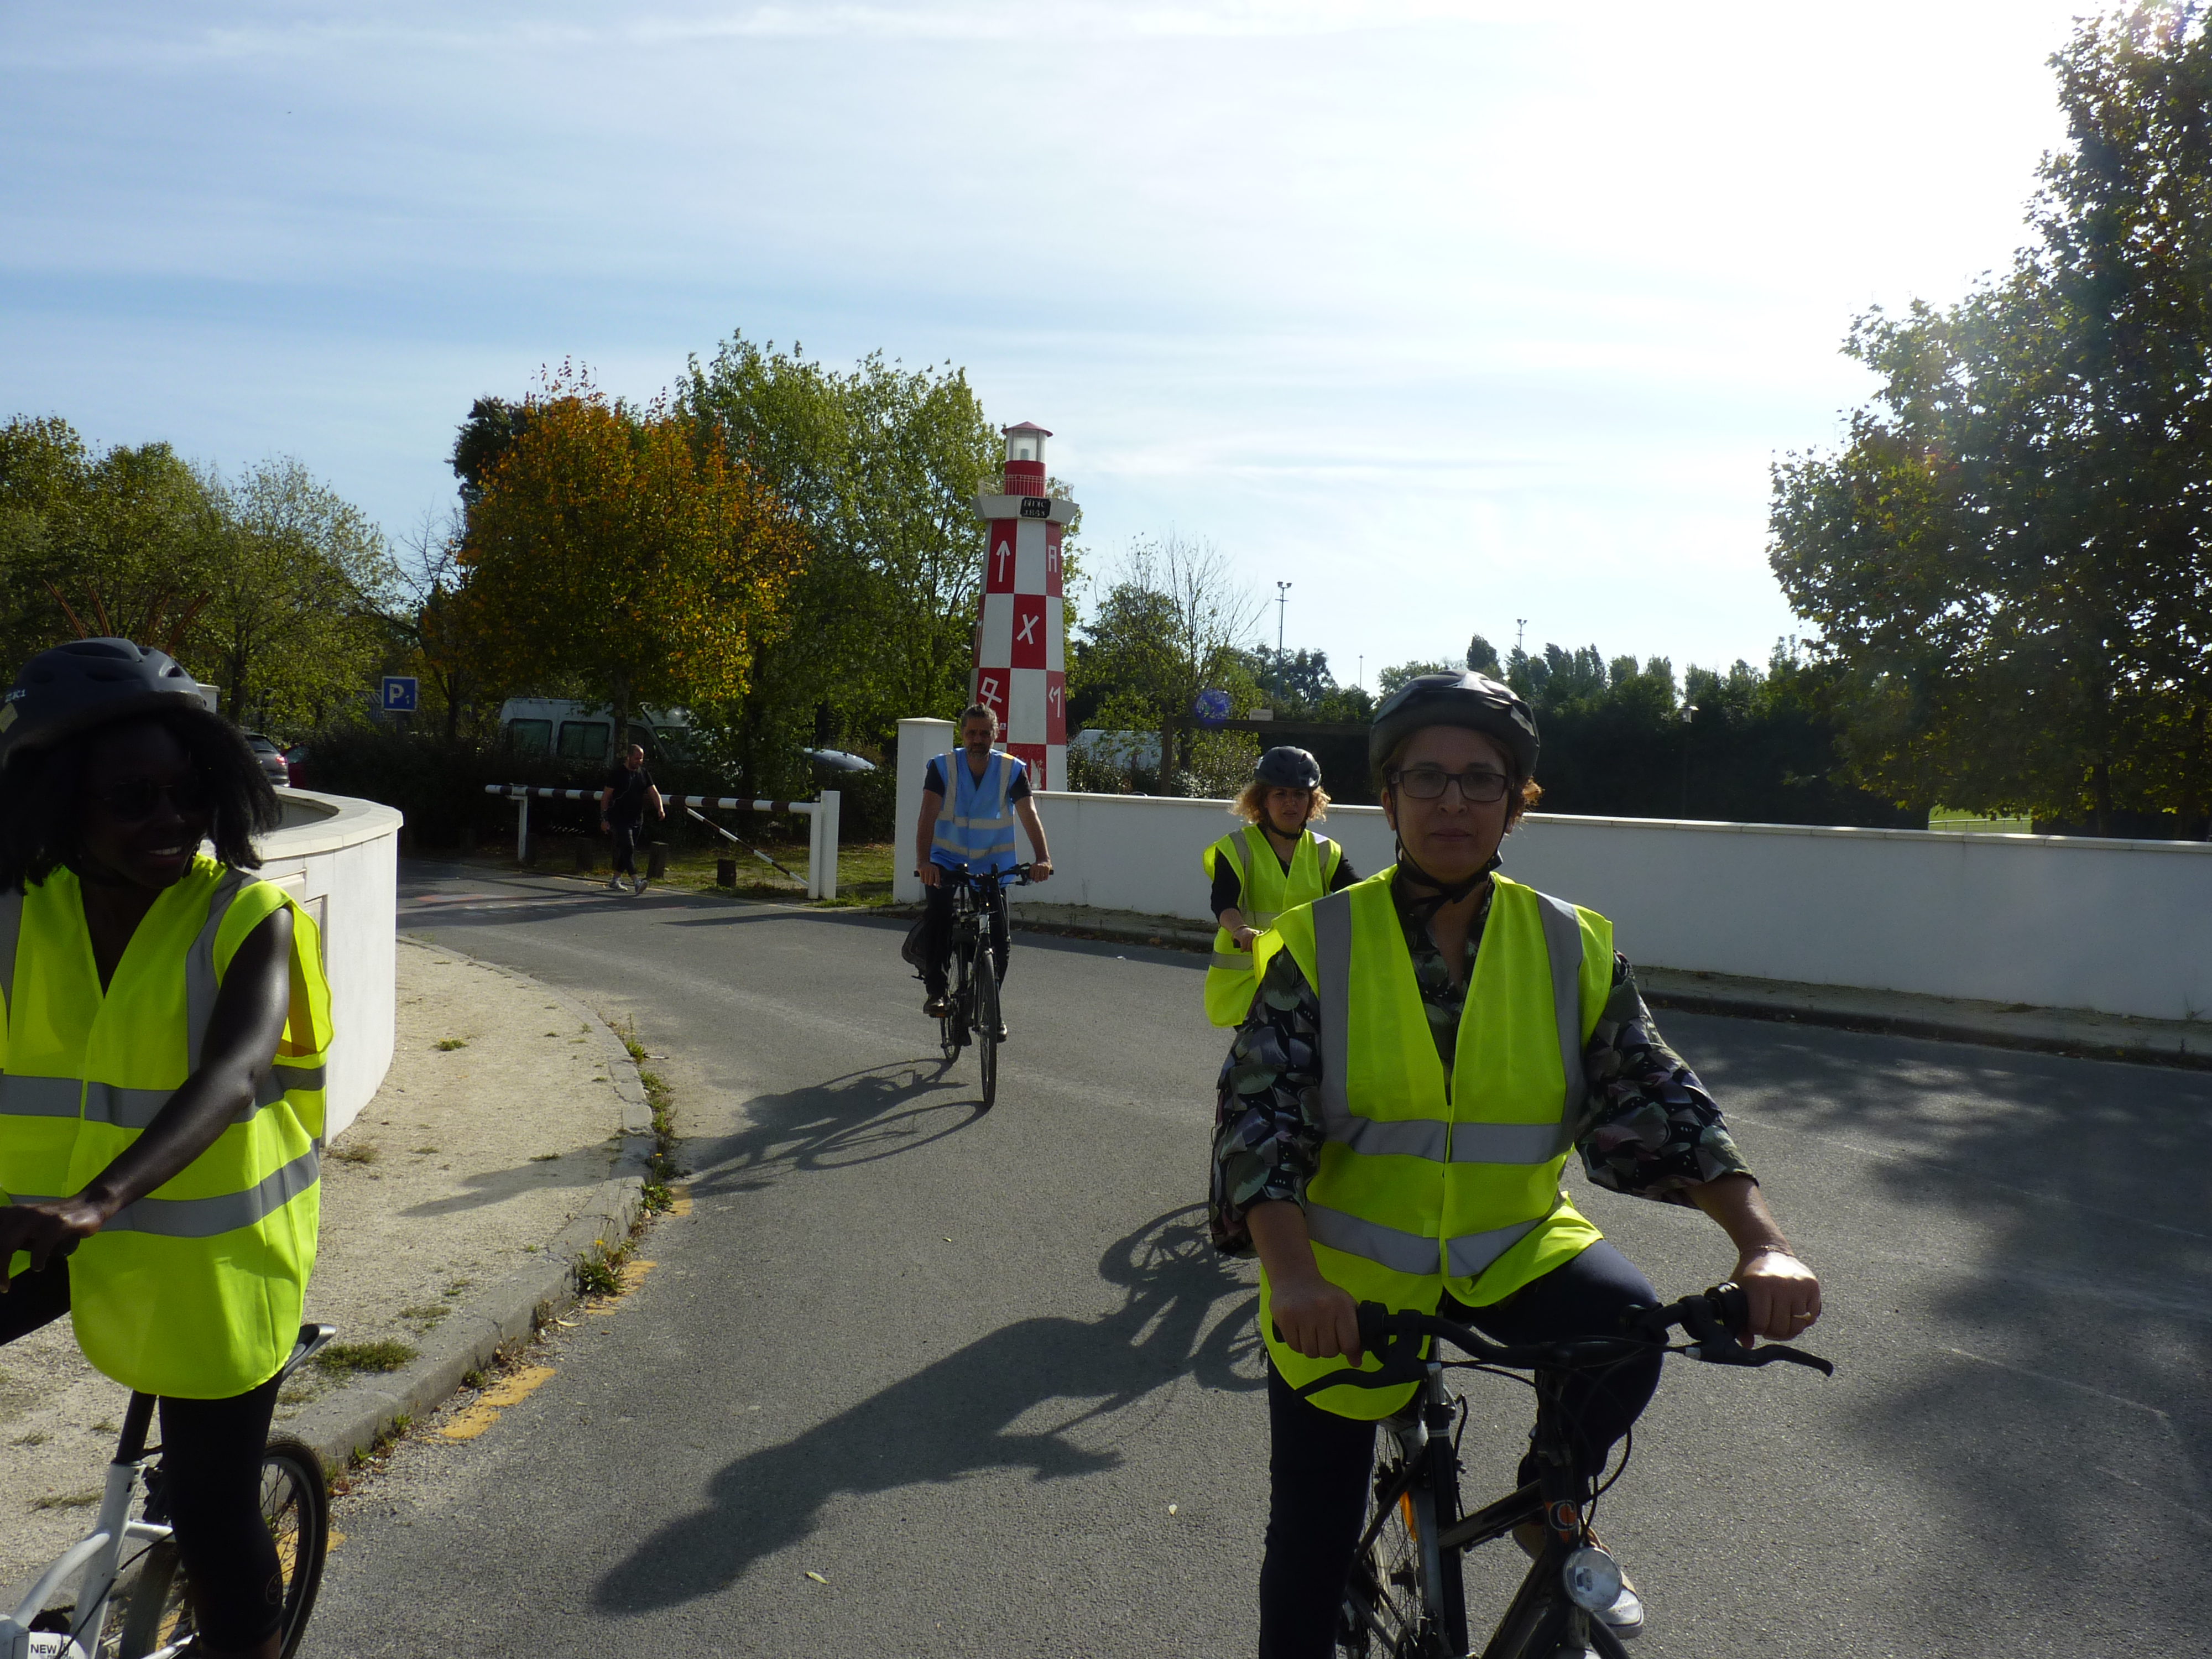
pixel 987 1025
pixel 1385 1612
pixel 295 1506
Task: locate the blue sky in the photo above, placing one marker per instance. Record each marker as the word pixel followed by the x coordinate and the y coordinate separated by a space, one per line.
pixel 1449 314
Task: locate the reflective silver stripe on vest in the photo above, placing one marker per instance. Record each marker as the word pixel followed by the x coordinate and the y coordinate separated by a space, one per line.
pixel 1234 845
pixel 1563 942
pixel 200 982
pixel 204 1218
pixel 1332 926
pixel 1233 962
pixel 11 933
pixel 1402 1252
pixel 136 1108
pixel 1470 1253
pixel 38 1097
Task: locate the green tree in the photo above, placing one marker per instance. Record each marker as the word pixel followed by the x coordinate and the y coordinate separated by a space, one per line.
pixel 609 549
pixel 1172 622
pixel 295 589
pixel 2008 559
pixel 881 465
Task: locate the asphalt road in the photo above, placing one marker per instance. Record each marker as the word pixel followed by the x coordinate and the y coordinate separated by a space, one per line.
pixel 962 1365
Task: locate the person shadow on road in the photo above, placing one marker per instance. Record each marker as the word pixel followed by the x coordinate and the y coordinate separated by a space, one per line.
pixel 1187 1314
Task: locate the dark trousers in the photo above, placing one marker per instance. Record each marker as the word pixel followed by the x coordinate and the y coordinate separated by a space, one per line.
pixel 212 1476
pixel 629 836
pixel 937 935
pixel 1320 1465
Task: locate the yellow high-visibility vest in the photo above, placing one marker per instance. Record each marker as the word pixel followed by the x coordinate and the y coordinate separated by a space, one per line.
pixel 1269 889
pixel 194 1290
pixel 1432 1182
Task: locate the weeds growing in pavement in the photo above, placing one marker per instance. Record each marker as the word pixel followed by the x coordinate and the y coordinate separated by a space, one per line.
pixel 345 1359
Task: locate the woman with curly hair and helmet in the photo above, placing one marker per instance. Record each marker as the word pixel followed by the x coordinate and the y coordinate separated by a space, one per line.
pixel 1273 864
pixel 164 1022
pixel 1426 1050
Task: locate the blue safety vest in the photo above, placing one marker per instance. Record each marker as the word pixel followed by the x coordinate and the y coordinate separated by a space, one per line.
pixel 976 825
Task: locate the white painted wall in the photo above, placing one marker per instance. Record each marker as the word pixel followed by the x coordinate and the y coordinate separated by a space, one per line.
pixel 2119 927
pixel 339 859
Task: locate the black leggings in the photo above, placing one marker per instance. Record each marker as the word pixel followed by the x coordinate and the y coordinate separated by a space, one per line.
pixel 211 1475
pixel 1319 1464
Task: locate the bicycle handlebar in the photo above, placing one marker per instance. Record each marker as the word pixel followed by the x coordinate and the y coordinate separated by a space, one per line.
pixel 1707 1319
pixel 980 879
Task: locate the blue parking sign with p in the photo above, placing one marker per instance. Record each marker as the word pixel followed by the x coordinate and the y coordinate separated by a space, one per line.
pixel 398 694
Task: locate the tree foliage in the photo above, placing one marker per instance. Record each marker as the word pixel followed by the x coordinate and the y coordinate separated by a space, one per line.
pixel 269 586
pixel 609 549
pixel 881 465
pixel 2010 558
pixel 1173 622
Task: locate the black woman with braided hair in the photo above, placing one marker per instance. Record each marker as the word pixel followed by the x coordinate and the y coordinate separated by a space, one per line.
pixel 164 1022
pixel 1426 1050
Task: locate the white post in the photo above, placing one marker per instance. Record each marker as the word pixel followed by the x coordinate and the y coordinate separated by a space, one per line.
pixel 920 742
pixel 522 826
pixel 814 852
pixel 827 818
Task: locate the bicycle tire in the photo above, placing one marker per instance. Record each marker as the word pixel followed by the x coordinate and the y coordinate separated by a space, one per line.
pixel 1385 1614
pixel 295 1506
pixel 987 1025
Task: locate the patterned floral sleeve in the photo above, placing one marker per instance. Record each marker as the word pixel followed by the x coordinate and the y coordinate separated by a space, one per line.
pixel 1653 1131
pixel 1266 1116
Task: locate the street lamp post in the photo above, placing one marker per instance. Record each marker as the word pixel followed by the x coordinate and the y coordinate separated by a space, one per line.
pixel 1689 714
pixel 1282 603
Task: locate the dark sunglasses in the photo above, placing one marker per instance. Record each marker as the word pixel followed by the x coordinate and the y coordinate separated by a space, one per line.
pixel 140 799
pixel 1478 786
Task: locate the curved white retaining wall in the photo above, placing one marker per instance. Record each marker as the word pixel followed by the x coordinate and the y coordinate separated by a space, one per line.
pixel 2119 926
pixel 339 857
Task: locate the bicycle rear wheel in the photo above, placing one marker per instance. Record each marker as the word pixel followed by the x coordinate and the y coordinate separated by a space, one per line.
pixel 1385 1612
pixel 156 1608
pixel 987 1024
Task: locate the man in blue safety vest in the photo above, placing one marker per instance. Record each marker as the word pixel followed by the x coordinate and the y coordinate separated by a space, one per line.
pixel 969 802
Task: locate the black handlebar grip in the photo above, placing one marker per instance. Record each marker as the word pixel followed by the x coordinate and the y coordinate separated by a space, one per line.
pixel 1732 1306
pixel 1374 1326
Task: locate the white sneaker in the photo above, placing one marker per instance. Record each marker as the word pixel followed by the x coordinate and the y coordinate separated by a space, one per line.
pixel 637 883
pixel 1624 1618
pixel 614 883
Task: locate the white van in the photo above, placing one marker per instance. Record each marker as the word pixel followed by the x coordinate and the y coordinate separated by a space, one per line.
pixel 585 731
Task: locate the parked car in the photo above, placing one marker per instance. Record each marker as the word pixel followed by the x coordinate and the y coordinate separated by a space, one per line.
pixel 272 758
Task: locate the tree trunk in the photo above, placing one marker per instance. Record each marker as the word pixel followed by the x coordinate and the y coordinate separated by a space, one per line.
pixel 1166 785
pixel 2100 777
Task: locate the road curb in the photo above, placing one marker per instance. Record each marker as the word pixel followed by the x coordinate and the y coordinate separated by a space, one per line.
pixel 352 1419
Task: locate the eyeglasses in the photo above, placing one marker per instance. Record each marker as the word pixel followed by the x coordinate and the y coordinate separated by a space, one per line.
pixel 1478 786
pixel 140 799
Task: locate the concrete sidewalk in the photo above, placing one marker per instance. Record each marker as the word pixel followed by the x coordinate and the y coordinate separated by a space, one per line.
pixel 2077 1032
pixel 510 1135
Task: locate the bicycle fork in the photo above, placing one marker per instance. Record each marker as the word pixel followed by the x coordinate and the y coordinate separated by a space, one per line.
pixel 1434 1505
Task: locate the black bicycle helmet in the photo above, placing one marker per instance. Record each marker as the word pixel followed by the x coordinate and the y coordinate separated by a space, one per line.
pixel 1467 699
pixel 84 683
pixel 1285 768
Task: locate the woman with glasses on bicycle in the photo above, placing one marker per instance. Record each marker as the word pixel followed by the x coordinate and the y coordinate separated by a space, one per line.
pixel 1426 1049
pixel 161 1050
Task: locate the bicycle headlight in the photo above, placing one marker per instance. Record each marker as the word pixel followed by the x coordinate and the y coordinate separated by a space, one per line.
pixel 1592 1578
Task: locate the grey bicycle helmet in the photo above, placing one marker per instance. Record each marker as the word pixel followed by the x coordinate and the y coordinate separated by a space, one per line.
pixel 84 683
pixel 1285 768
pixel 1474 701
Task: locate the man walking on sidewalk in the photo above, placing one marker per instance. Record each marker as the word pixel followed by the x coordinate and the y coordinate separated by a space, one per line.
pixel 970 801
pixel 622 814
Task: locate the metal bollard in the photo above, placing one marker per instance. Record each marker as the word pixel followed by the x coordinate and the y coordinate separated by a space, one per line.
pixel 657 865
pixel 725 872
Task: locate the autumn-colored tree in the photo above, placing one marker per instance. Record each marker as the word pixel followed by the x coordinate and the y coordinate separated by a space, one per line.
pixel 610 551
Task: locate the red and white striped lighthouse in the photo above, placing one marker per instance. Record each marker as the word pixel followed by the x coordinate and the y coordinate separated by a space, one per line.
pixel 1021 640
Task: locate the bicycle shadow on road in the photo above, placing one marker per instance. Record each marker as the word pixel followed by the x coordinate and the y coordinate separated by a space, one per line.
pixel 858 1118
pixel 1187 1314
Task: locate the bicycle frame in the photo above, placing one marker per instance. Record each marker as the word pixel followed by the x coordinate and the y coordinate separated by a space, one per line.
pixel 96 1561
pixel 1430 1486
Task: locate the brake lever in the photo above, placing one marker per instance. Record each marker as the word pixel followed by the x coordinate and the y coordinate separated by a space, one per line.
pixel 1725 1349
